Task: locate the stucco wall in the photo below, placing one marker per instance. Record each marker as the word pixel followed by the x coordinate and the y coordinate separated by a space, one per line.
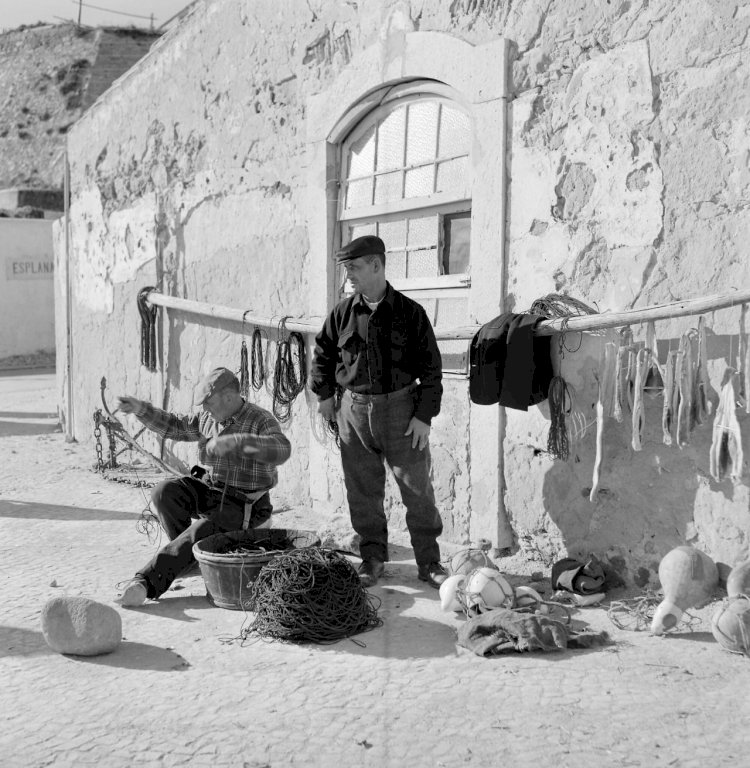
pixel 627 186
pixel 26 287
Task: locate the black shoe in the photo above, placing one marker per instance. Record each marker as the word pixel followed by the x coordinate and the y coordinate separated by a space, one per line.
pixel 370 571
pixel 433 573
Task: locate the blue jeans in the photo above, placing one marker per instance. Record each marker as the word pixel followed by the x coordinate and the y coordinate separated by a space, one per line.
pixel 189 510
pixel 371 428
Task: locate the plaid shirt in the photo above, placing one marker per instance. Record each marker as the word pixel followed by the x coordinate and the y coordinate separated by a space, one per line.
pixel 251 425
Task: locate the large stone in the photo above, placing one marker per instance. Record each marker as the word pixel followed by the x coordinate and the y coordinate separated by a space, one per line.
pixel 80 626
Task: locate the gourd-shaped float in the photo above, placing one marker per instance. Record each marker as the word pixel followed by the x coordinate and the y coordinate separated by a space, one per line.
pixel 688 578
pixel 738 581
pixel 730 624
pixel 467 560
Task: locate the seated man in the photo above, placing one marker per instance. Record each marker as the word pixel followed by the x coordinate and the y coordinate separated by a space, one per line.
pixel 241 443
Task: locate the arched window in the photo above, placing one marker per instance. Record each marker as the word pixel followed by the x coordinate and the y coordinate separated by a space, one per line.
pixel 406 177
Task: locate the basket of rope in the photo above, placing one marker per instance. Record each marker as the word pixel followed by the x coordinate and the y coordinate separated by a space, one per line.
pixel 231 561
pixel 310 595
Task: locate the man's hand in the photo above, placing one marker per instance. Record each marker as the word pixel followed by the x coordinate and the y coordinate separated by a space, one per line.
pixel 217 446
pixel 128 404
pixel 420 433
pixel 327 409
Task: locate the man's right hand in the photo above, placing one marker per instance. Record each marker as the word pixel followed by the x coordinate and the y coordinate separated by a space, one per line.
pixel 128 404
pixel 327 409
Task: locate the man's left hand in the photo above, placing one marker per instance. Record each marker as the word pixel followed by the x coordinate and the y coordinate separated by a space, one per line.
pixel 420 433
pixel 218 447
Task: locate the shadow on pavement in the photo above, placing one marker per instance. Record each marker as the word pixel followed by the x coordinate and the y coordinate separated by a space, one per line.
pixel 129 655
pixel 18 428
pixel 15 641
pixel 174 607
pixel 31 510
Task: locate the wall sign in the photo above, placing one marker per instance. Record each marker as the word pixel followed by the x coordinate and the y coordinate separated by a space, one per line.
pixel 29 268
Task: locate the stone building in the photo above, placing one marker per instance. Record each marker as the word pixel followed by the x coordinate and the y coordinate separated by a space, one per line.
pixel 504 151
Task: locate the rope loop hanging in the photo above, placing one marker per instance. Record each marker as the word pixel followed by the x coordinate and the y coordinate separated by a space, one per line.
pixel 148 329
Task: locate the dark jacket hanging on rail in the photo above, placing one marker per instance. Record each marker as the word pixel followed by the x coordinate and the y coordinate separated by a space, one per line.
pixel 508 364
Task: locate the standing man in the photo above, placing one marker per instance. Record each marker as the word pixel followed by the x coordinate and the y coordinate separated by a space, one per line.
pixel 241 443
pixel 378 346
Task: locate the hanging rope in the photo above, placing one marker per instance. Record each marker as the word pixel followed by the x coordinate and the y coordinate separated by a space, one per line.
pixel 290 372
pixel 560 403
pixel 258 363
pixel 148 329
pixel 244 373
pixel 310 594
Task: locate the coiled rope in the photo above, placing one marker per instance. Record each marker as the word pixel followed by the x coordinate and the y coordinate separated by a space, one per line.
pixel 290 372
pixel 148 329
pixel 258 366
pixel 560 403
pixel 310 594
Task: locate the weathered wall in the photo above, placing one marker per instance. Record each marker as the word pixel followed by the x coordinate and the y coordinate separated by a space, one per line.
pixel 26 287
pixel 628 186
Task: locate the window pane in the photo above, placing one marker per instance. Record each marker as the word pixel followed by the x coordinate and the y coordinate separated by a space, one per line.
pixel 395 265
pixel 421 135
pixel 456 241
pixel 452 176
pixel 453 313
pixel 391 140
pixel 455 133
pixel 393 234
pixel 423 263
pixel 423 231
pixel 388 187
pixel 420 181
pixel 362 154
pixel 359 193
pixel 360 230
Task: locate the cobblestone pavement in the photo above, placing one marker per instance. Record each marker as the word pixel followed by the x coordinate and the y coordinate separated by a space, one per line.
pixel 182 690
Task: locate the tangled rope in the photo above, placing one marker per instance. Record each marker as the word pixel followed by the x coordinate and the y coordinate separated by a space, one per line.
pixel 290 372
pixel 148 329
pixel 556 305
pixel 560 403
pixel 310 594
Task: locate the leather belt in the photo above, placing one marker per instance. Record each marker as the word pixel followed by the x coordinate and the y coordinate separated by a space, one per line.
pixel 360 397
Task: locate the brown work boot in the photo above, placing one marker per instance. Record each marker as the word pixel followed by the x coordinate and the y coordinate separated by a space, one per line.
pixel 370 571
pixel 433 573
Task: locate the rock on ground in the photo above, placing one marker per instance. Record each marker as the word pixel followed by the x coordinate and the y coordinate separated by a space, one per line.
pixel 80 626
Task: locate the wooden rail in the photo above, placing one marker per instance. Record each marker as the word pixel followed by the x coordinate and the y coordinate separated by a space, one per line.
pixel 577 323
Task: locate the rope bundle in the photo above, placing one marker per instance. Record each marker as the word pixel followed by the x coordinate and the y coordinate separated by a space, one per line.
pixel 560 403
pixel 560 305
pixel 148 329
pixel 310 594
pixel 290 372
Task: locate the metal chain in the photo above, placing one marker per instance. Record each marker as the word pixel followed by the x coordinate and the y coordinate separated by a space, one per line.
pixel 98 440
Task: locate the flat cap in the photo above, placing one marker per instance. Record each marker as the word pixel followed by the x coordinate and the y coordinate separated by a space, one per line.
pixel 218 379
pixel 360 246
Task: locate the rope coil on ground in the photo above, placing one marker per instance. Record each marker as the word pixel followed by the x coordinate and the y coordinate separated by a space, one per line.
pixel 310 594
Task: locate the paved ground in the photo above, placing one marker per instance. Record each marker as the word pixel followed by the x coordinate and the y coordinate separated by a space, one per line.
pixel 180 692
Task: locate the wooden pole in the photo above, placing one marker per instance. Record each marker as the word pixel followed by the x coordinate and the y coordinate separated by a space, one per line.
pixel 685 308
pixel 577 323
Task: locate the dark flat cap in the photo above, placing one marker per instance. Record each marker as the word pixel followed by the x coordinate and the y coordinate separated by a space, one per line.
pixel 218 379
pixel 360 246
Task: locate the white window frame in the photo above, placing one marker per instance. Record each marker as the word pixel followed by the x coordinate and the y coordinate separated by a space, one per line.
pixel 440 286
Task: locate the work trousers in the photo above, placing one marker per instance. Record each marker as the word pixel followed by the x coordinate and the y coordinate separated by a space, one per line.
pixel 371 430
pixel 189 510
